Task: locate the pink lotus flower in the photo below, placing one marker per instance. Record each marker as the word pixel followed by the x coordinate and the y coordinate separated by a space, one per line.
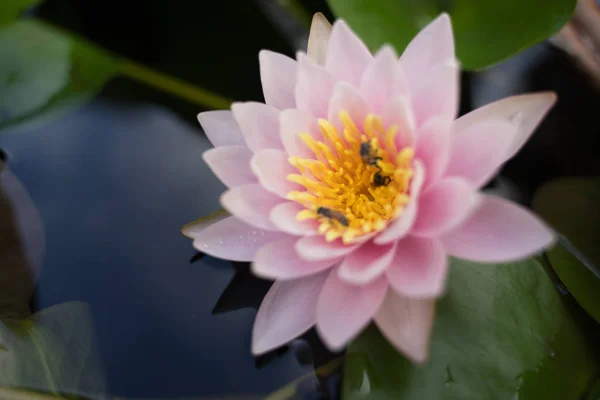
pixel 353 184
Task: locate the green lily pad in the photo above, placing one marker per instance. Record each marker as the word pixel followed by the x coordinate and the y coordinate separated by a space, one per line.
pixel 486 31
pixel 12 9
pixel 53 351
pixel 46 73
pixel 500 332
pixel 572 207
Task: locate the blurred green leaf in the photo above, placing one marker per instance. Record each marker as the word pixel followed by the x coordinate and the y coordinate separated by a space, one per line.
pixel 486 31
pixel 52 351
pixel 45 73
pixel 572 207
pixel 12 9
pixel 22 247
pixel 500 332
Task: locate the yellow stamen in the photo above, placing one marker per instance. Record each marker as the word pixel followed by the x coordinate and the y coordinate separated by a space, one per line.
pixel 352 193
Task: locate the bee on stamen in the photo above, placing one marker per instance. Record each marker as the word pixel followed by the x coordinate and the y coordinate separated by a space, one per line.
pixel 333 215
pixel 367 154
pixel 381 180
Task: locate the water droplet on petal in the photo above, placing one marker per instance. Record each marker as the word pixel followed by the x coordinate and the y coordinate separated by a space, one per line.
pixel 254 233
pixel 254 240
pixel 220 242
pixel 241 237
pixel 206 246
pixel 517 118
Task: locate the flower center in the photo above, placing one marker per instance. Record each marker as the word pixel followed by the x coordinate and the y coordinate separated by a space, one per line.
pixel 357 181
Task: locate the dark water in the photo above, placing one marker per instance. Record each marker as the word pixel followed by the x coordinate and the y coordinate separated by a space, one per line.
pixel 113 184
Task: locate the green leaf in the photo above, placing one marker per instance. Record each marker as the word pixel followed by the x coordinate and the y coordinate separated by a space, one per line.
pixel 572 207
pixel 12 9
pixel 501 332
pixel 53 351
pixel 486 31
pixel 45 73
pixel 22 247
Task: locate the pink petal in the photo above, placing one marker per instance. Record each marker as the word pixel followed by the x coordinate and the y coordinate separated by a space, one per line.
pixel 433 147
pixel 432 46
pixel 524 111
pixel 283 216
pixel 221 128
pixel 444 206
pixel 193 229
pixel 260 125
pixel 316 248
pixel 314 87
pixel 406 323
pixel 279 260
pixel 344 310
pixel 398 112
pixel 419 268
pixel 318 38
pixel 383 80
pixel 288 310
pixel 439 96
pixel 230 164
pixel 367 263
pixel 347 55
pixel 477 152
pixel 232 239
pixel 292 124
pixel 498 231
pixel 271 167
pixel 347 98
pixel 278 77
pixel 401 226
pixel 251 204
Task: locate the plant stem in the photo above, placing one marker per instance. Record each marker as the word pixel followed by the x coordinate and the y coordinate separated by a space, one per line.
pixel 173 85
pixel 297 10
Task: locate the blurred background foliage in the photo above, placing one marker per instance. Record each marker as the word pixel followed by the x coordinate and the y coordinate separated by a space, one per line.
pixel 127 80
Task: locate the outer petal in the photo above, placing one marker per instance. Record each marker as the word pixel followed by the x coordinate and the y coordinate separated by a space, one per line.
pixel 318 38
pixel 419 268
pixel 288 310
pixel 478 152
pixel 439 96
pixel 432 46
pixel 403 224
pixel 347 55
pixel 230 164
pixel 498 231
pixel 278 77
pixel 398 112
pixel 367 263
pixel 383 80
pixel 406 323
pixel 232 239
pixel 344 310
pixel 293 123
pixel 260 125
pixel 221 128
pixel 279 260
pixel 314 87
pixel 251 204
pixel 524 111
pixel 271 167
pixel 347 98
pixel 316 248
pixel 433 148
pixel 283 216
pixel 444 206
